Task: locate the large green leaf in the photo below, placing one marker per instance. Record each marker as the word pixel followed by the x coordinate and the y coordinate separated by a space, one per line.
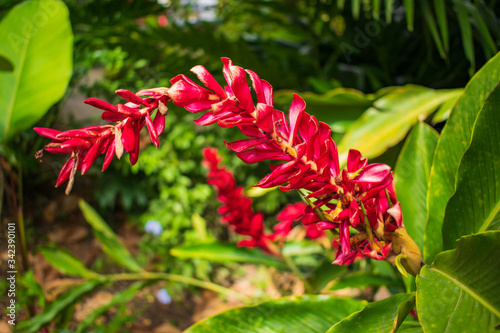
pixel 66 263
pixel 324 274
pixel 382 316
pixel 36 37
pixel 225 252
pixel 388 121
pixel 452 144
pixel 34 324
pixel 475 206
pixel 411 178
pixel 108 239
pixel 310 313
pixel 460 291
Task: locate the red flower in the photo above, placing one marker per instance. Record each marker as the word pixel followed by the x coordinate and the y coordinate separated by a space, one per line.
pixel 360 197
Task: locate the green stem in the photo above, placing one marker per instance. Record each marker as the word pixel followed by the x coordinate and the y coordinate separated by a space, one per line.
pixel 296 271
pixel 176 278
pixel 20 216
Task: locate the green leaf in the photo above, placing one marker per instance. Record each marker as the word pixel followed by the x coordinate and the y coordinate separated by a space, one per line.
pixel 431 24
pixel 339 107
pixel 310 313
pixel 388 121
pixel 66 263
pixel 324 274
pixel 410 13
pixel 389 8
pixel 34 324
pixel 466 31
pixel 453 142
pixel 382 316
pixel 411 178
pixel 108 239
pixel 376 9
pixel 363 280
pixel 36 37
pixel 443 113
pixel 488 43
pixel 355 8
pixel 295 248
pixel 440 8
pixel 118 298
pixel 460 291
pixel 225 252
pixel 475 206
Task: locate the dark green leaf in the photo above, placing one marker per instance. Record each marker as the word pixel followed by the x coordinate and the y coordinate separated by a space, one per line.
pixel 36 37
pixel 34 324
pixel 460 291
pixel 466 31
pixel 488 43
pixel 382 316
pixel 475 206
pixel 431 25
pixel 108 239
pixel 440 8
pixel 452 144
pixel 310 313
pixel 66 263
pixel 6 65
pixel 411 178
pixel 324 274
pixel 225 252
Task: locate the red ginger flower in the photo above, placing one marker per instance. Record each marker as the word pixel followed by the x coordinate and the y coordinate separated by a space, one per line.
pixel 86 144
pixel 237 209
pixel 304 144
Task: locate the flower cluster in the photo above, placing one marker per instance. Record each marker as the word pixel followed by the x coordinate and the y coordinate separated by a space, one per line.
pixel 238 214
pixel 86 144
pixel 237 211
pixel 357 202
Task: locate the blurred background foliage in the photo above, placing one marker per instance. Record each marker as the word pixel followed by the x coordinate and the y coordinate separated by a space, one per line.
pixel 326 48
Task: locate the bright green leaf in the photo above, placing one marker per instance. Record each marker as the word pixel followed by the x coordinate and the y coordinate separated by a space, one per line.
pixel 66 263
pixel 294 248
pixel 382 316
pixel 310 313
pixel 388 121
pixel 410 13
pixel 475 206
pixel 411 178
pixel 225 252
pixel 34 324
pixel 443 113
pixel 108 239
pixel 460 291
pixel 452 144
pixel 36 37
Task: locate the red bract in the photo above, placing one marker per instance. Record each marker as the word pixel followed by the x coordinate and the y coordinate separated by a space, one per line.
pixel 359 197
pixel 237 209
pixel 290 214
pixel 86 144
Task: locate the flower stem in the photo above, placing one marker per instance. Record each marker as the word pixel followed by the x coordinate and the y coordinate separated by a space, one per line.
pixel 176 278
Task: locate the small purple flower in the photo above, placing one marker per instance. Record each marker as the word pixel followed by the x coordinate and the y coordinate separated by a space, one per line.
pixel 163 296
pixel 153 227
